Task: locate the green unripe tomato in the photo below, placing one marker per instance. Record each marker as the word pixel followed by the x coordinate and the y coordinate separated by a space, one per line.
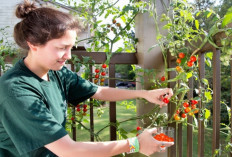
pixel 171 44
pixel 229 51
pixel 163 15
pixel 178 45
pixel 228 33
pixel 171 50
pixel 223 42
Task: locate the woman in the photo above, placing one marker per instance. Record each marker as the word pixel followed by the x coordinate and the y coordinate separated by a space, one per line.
pixel 35 91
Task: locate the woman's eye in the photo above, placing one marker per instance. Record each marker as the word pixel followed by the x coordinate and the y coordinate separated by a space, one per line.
pixel 62 48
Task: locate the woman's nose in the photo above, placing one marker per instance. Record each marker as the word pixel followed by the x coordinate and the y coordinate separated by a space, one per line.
pixel 67 54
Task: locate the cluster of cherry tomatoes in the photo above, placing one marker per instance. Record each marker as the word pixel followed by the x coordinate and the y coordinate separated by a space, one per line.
pixel 139 129
pixel 81 109
pixel 113 27
pixel 181 60
pixel 189 108
pixel 100 73
pixel 163 137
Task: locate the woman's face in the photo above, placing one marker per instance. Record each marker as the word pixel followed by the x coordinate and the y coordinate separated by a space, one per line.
pixel 56 52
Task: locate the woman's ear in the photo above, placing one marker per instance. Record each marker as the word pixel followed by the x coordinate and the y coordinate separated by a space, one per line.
pixel 32 47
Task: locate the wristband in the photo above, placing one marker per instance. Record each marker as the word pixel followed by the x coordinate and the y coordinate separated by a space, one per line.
pixel 133 144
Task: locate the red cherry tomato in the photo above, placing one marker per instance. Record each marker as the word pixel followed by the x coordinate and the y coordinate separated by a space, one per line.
pixel 193 58
pixel 104 65
pixel 78 109
pixel 194 102
pixel 183 115
pixel 97 70
pixel 96 76
pixel 103 73
pixel 166 100
pixel 189 63
pixel 162 78
pixel 181 55
pixel 138 128
pixel 185 104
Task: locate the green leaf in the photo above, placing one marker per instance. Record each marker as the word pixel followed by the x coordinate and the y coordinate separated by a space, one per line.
pixel 167 26
pixel 197 24
pixel 117 39
pixel 120 49
pixel 180 90
pixel 208 62
pixel 159 36
pixel 189 75
pixel 123 19
pixel 205 81
pixel 171 69
pixel 209 14
pixel 207 113
pixel 152 47
pixel 198 13
pixel 208 96
pixel 209 55
pixel 85 120
pixel 227 19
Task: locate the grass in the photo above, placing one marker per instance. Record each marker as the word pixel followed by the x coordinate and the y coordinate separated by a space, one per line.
pixel 101 122
pixel 123 113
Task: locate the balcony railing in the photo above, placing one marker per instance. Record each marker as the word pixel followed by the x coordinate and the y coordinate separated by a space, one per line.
pixel 177 149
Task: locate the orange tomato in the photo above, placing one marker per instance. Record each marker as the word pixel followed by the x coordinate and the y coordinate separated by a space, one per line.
pixel 178 61
pixel 178 68
pixel 187 109
pixel 176 117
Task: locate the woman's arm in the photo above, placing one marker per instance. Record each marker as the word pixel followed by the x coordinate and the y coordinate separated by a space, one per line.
pixel 66 147
pixel 116 94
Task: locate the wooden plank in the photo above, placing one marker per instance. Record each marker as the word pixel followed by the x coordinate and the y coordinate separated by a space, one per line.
pixel 230 154
pixel 190 121
pixel 172 107
pixel 179 140
pixel 100 57
pixel 91 113
pixel 201 131
pixel 74 129
pixel 113 136
pixel 216 99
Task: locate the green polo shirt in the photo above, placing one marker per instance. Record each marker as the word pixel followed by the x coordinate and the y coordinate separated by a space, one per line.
pixel 33 111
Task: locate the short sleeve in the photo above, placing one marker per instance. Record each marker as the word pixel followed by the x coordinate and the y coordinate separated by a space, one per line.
pixel 29 123
pixel 78 88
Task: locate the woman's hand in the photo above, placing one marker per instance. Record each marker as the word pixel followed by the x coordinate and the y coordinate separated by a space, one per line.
pixel 149 145
pixel 157 95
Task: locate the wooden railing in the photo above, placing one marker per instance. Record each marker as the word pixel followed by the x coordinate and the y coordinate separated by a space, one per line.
pixel 177 149
pixel 100 58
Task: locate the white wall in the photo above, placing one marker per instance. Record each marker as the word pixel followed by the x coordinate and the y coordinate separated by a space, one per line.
pixel 8 18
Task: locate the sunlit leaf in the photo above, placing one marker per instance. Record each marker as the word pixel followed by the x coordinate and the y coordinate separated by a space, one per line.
pixel 227 19
pixel 197 24
pixel 208 96
pixel 207 113
pixel 205 81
